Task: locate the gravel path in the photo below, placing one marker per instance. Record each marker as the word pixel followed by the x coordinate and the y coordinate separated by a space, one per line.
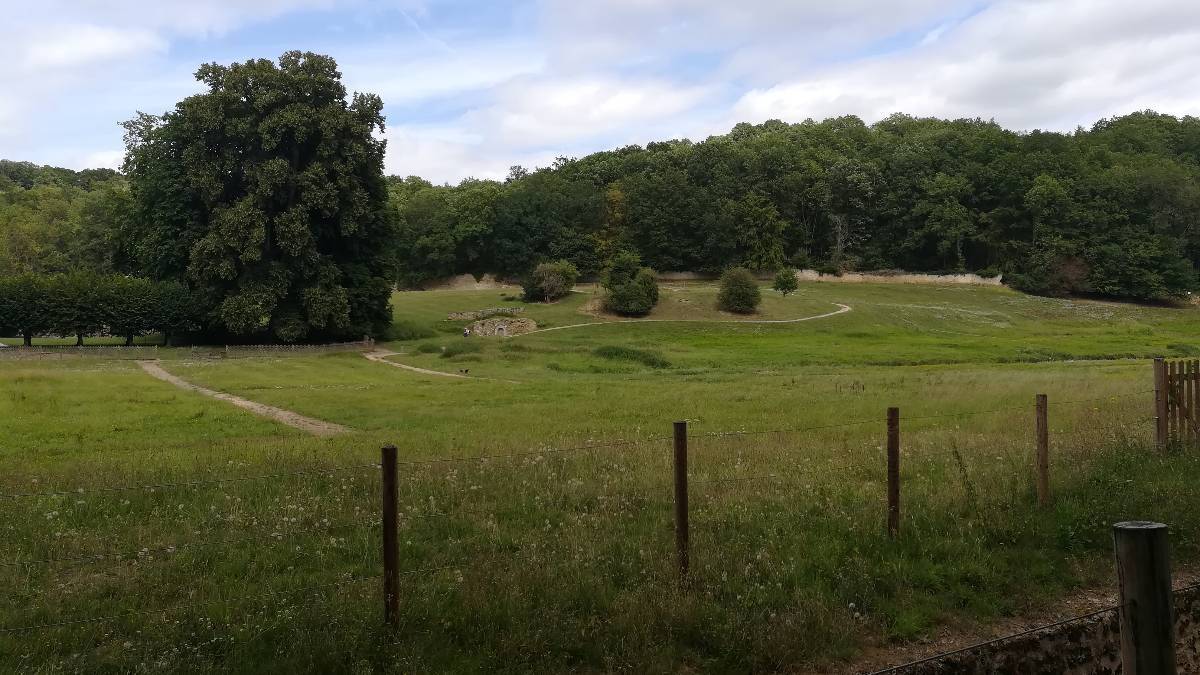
pixel 842 309
pixel 295 420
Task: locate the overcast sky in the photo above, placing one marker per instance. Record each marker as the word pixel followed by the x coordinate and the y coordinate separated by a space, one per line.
pixel 474 86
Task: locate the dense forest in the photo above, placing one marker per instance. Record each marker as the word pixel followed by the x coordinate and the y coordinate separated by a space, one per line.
pixel 1113 211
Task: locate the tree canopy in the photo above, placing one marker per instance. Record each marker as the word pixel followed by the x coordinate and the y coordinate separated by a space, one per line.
pixel 265 195
pixel 1113 210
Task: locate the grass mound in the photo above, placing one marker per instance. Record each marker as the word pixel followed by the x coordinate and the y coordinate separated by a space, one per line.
pixel 645 357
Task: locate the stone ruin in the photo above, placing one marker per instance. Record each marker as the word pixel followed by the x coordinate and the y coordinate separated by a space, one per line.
pixel 484 313
pixel 503 327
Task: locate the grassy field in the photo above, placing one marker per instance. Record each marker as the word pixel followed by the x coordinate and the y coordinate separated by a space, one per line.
pixel 537 504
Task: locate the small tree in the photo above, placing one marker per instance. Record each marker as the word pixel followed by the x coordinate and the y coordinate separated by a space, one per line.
pixel 621 269
pixel 785 281
pixel 739 292
pixel 550 281
pixel 632 289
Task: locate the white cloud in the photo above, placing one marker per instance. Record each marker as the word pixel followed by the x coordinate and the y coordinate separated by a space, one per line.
pixel 545 111
pixel 566 78
pixel 67 46
pixel 1027 64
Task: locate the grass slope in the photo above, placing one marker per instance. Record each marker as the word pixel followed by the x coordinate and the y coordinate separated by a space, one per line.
pixel 553 561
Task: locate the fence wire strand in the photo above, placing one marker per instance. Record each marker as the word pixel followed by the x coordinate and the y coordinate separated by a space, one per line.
pixel 988 643
pixel 191 483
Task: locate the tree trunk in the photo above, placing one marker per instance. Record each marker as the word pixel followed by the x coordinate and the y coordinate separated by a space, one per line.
pixel 28 338
pixel 166 339
pixel 129 340
pixel 79 339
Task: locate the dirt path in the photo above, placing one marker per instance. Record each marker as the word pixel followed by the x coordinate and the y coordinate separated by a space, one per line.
pixel 295 420
pixel 380 356
pixel 842 309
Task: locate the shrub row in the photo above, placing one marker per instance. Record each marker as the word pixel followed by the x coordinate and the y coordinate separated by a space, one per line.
pixel 83 304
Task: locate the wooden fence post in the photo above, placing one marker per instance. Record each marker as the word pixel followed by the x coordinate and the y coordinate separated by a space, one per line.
pixel 1160 403
pixel 1043 452
pixel 893 471
pixel 1191 396
pixel 391 552
pixel 1147 614
pixel 681 500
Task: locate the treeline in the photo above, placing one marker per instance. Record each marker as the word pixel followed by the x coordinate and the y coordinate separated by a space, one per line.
pixel 1113 211
pixel 83 304
pixel 56 220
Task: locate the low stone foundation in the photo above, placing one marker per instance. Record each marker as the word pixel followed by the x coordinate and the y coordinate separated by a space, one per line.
pixel 484 313
pixel 1089 646
pixel 504 327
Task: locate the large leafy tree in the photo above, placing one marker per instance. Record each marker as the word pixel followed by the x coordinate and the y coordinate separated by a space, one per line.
pixel 265 195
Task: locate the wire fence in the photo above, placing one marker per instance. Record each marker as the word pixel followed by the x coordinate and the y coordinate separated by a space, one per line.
pixel 631 470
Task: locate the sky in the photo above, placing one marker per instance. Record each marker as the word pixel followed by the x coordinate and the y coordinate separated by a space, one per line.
pixel 472 87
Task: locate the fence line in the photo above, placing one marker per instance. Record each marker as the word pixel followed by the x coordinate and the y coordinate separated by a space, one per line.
pixel 131 554
pixel 187 484
pixel 1005 638
pixel 142 612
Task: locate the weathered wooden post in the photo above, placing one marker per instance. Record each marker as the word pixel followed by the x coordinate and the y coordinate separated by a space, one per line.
pixel 1160 403
pixel 681 500
pixel 893 471
pixel 391 551
pixel 1043 451
pixel 1147 614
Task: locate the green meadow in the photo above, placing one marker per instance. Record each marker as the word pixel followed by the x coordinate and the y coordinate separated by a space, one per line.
pixel 536 491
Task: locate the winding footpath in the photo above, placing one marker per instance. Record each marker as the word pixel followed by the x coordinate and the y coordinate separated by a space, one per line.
pixel 842 309
pixel 381 356
pixel 295 420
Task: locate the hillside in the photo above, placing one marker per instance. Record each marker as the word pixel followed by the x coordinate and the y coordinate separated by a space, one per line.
pixel 1112 210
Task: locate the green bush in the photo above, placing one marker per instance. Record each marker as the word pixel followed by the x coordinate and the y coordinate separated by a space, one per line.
pixel 621 269
pixel 550 281
pixel 428 348
pixel 403 330
pixel 632 289
pixel 462 347
pixel 645 357
pixel 739 292
pixel 785 281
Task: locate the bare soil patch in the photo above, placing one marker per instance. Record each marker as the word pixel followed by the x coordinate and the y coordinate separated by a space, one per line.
pixel 295 420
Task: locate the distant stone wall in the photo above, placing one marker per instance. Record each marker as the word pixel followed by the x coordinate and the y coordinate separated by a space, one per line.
pixel 898 277
pixel 877 277
pixel 507 327
pixel 1087 647
pixel 484 313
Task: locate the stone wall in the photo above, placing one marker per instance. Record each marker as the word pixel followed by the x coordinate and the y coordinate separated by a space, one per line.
pixel 484 313
pixel 1089 646
pixel 506 327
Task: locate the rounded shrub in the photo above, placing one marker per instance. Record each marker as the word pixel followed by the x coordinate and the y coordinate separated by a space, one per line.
pixel 739 292
pixel 785 281
pixel 550 281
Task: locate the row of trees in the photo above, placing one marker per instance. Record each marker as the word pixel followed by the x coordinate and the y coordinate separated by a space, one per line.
pixel 82 304
pixel 1114 210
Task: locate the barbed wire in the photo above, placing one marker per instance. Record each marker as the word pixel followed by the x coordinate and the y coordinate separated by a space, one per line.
pixel 987 643
pixel 131 554
pixel 165 610
pixel 535 453
pixel 188 484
